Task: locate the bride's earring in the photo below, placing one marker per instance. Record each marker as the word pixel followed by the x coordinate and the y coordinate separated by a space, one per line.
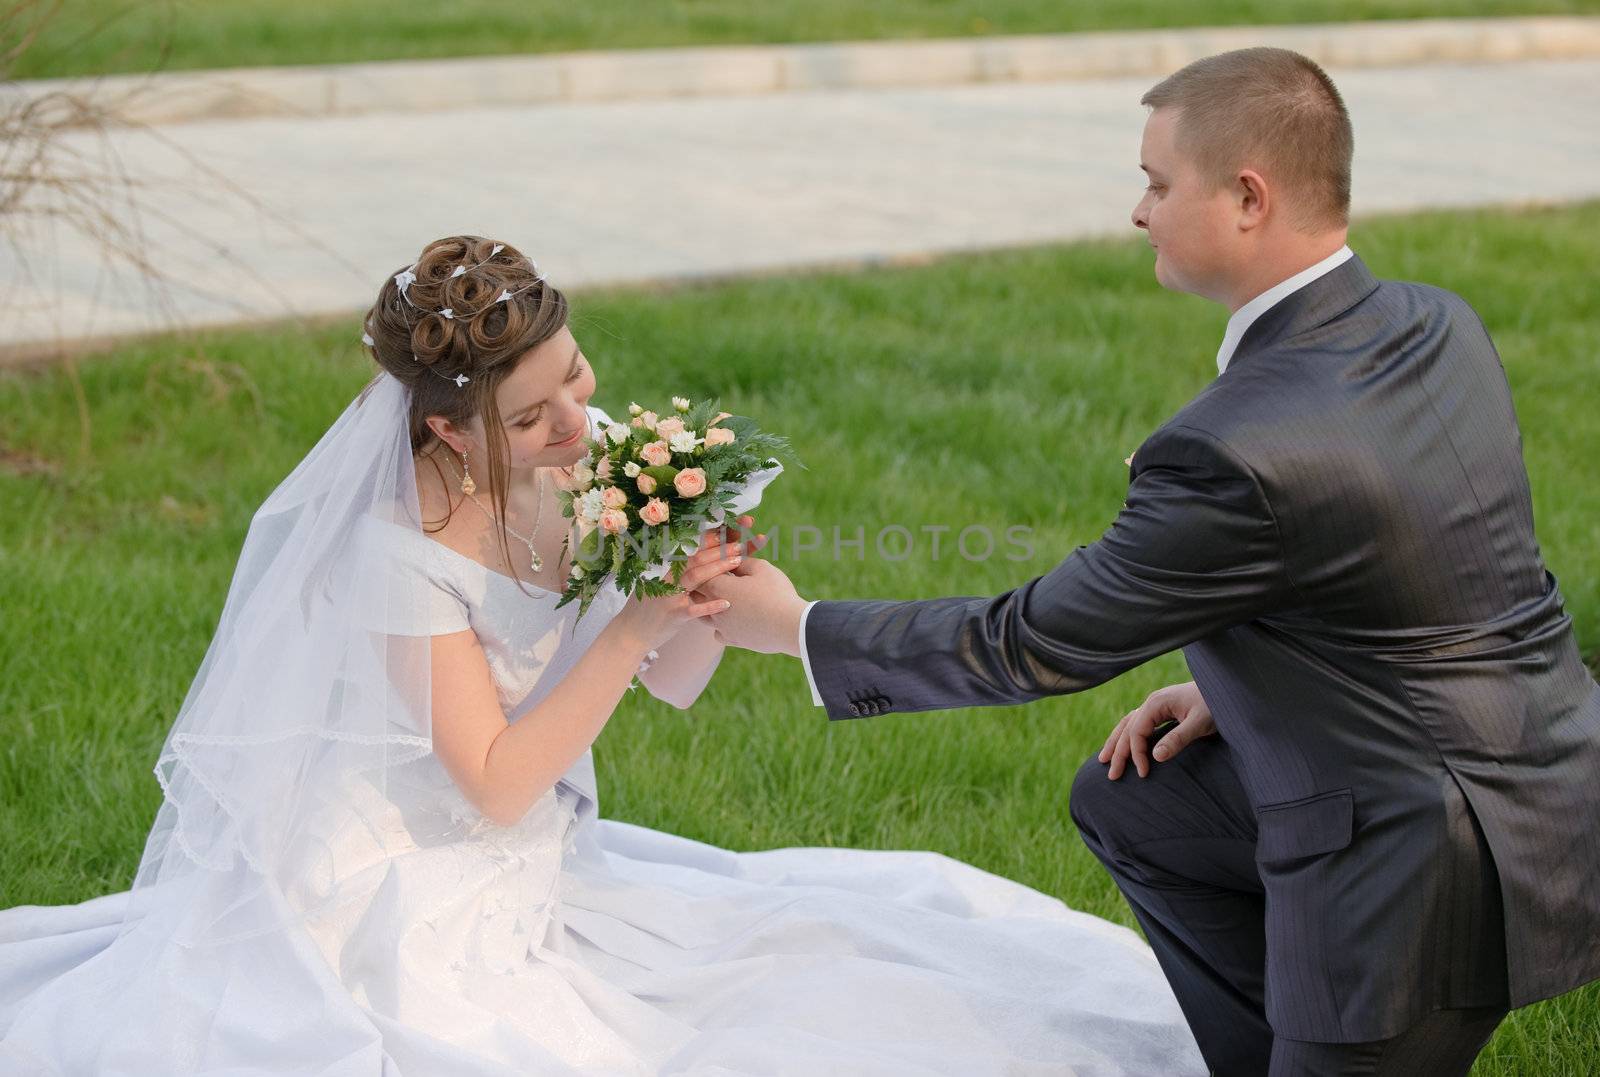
pixel 468 487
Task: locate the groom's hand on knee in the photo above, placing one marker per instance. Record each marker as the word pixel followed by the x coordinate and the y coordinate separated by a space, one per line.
pixel 1136 732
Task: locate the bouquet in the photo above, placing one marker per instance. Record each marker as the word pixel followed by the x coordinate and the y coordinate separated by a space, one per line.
pixel 648 488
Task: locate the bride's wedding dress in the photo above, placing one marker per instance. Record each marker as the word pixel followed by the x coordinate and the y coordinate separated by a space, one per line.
pixel 568 943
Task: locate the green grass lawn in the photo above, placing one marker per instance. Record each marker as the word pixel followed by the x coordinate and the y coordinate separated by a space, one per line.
pixel 101 36
pixel 1001 389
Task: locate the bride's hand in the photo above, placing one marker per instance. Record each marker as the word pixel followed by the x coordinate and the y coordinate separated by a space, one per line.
pixel 729 540
pixel 651 622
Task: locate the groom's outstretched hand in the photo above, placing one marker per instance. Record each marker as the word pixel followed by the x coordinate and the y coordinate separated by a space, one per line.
pixel 1181 703
pixel 764 612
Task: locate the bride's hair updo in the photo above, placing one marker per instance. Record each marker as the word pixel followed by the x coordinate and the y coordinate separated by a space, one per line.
pixel 450 322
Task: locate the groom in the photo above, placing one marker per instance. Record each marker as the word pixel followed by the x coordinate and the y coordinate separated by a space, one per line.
pixel 1394 834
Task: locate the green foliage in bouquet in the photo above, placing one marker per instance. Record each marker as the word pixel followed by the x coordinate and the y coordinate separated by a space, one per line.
pixel 649 486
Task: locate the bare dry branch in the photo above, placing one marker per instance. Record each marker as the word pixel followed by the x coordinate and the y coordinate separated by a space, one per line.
pixel 63 177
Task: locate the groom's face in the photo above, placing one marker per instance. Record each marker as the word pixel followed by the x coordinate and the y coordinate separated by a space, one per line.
pixel 1189 220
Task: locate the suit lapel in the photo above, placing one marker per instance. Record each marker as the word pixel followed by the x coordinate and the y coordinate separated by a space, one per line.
pixel 1318 303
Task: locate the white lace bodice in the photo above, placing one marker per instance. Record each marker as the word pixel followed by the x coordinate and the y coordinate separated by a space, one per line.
pixel 529 644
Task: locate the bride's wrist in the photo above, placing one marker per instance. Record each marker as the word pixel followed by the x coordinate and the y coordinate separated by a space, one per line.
pixel 635 647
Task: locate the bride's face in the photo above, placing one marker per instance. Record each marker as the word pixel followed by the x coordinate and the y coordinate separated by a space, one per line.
pixel 542 405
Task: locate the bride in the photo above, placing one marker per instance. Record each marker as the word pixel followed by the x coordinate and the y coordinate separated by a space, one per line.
pixel 379 850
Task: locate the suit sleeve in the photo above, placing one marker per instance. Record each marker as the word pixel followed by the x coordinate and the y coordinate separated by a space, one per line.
pixel 1195 550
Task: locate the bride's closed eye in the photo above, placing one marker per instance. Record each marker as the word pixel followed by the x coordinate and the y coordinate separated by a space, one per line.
pixel 533 420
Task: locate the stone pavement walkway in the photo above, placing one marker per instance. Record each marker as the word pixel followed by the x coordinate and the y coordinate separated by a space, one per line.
pixel 636 191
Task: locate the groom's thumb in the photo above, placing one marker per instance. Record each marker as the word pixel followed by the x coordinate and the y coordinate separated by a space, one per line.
pixel 1174 742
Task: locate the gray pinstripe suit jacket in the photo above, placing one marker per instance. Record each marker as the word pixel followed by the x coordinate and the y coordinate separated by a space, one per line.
pixel 1338 533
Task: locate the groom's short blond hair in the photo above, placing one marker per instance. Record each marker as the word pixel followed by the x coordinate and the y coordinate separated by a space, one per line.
pixel 1271 110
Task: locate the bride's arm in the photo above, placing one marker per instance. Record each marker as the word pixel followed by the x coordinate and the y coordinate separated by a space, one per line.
pixel 503 767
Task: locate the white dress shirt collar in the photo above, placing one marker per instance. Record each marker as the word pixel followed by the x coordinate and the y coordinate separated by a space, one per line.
pixel 1246 315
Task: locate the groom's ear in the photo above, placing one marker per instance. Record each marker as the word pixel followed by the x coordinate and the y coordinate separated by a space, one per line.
pixel 1253 197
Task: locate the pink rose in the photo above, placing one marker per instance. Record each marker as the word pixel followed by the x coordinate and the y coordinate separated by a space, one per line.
pixel 647 483
pixel 602 470
pixel 648 420
pixel 690 482
pixel 654 512
pixel 614 521
pixel 669 426
pixel 721 415
pixel 656 454
pixel 614 497
pixel 718 435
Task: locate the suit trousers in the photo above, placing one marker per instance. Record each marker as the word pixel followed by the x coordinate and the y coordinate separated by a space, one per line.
pixel 1181 845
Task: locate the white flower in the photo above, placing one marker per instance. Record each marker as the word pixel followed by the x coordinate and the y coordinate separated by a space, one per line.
pixel 617 433
pixel 582 474
pixel 681 403
pixel 684 442
pixel 635 409
pixel 589 506
pixel 631 469
pixel 577 572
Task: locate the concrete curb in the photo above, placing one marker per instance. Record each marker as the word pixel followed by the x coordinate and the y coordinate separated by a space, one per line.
pixel 412 86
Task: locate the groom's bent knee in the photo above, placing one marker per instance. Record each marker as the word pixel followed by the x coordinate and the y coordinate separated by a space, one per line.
pixel 1101 808
pixel 1094 801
